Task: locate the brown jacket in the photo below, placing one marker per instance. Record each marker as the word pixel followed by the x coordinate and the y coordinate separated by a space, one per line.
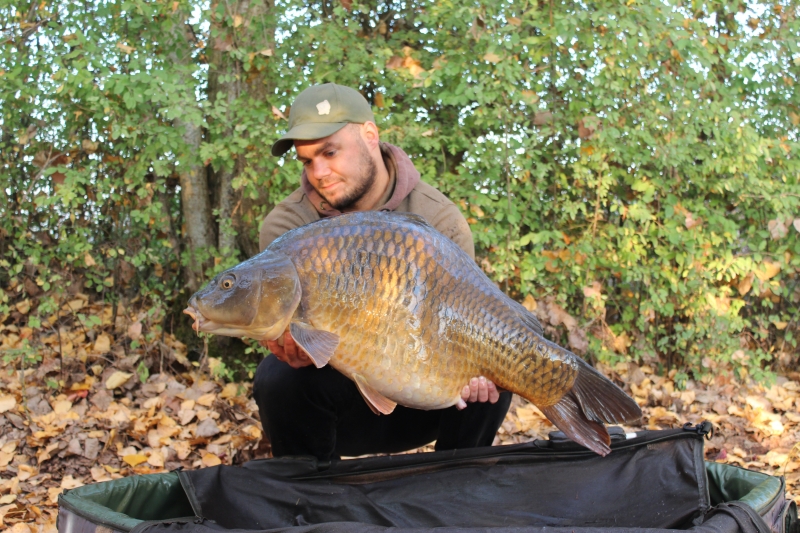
pixel 409 195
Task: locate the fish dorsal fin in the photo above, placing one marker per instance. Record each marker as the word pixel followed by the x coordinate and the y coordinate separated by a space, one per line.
pixel 414 218
pixel 528 318
pixel 376 401
pixel 318 344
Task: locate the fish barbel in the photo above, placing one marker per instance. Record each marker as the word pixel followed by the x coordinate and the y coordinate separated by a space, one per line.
pixel 401 310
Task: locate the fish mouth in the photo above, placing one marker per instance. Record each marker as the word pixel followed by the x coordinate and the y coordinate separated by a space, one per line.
pixel 197 316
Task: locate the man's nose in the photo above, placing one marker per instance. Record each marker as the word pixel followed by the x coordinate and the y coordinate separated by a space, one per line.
pixel 318 170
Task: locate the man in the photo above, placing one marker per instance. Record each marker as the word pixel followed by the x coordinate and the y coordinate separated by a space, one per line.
pixel 319 412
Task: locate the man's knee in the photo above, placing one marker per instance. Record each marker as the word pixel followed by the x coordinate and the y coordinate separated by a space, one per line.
pixel 277 383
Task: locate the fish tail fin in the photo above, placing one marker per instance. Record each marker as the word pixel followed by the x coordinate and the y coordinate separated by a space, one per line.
pixel 592 402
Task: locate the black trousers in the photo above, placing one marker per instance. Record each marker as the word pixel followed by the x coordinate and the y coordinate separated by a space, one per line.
pixel 319 412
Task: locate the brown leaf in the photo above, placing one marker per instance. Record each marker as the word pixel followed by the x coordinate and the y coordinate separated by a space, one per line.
pixel 491 57
pixel 691 222
pixel 102 344
pixel 237 21
pixel 777 229
pixel 135 331
pixel 745 284
pixel 394 63
pixel 542 118
pixel 379 100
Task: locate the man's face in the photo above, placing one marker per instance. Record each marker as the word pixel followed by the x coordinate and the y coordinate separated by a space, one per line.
pixel 339 167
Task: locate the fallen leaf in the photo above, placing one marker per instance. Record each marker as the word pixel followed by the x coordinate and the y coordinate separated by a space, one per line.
pixel 237 21
pixel 135 459
pixel 88 260
pixel 135 331
pixel 491 57
pixel 102 344
pixel 23 307
pixel 125 48
pixel 7 403
pixel 69 482
pixel 117 379
pixel 210 459
pixel 156 459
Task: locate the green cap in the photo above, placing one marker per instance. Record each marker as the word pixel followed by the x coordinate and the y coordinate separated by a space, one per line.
pixel 322 110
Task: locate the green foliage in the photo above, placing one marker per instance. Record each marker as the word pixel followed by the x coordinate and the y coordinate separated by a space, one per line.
pixel 633 162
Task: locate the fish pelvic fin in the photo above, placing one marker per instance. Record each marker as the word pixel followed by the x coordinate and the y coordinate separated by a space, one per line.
pixel 319 345
pixel 379 403
pixel 592 402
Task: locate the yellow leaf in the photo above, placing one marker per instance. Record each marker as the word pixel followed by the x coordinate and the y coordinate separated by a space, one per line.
pixel 125 48
pixel 8 498
pixel 135 459
pixel 529 303
pixel 117 379
pixel 781 325
pixel 102 344
pixel 237 21
pixel 7 403
pixel 209 459
pixel 89 260
pixel 491 57
pixel 267 52
pixel 745 284
pixel 62 407
pixel 156 459
pixel 74 305
pixel 207 399
pixel 768 270
pixel 23 307
pixel 69 482
pixel 229 391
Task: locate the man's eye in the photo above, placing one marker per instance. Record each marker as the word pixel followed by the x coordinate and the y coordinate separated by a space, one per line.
pixel 330 154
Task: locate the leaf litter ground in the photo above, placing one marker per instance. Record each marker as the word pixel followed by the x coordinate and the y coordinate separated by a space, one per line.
pixel 104 422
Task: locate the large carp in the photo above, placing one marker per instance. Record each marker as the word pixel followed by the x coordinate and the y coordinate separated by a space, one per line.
pixel 401 310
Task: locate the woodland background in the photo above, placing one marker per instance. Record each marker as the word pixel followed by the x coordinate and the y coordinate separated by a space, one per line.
pixel 629 170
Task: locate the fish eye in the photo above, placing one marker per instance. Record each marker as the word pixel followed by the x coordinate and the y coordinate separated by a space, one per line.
pixel 226 283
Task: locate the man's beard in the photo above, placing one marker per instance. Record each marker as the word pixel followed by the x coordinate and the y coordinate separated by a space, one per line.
pixel 363 184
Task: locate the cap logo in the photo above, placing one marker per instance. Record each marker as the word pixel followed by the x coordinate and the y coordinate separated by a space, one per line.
pixel 324 107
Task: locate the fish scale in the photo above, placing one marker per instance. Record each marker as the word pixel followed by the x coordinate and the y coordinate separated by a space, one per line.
pixel 404 312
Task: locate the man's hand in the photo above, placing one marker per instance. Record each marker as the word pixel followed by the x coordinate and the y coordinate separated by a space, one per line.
pixel 290 353
pixel 479 389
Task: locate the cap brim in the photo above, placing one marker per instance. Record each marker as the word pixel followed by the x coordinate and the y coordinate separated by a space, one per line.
pixel 305 132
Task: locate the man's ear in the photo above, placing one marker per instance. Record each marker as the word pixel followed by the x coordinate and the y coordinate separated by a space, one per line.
pixel 369 134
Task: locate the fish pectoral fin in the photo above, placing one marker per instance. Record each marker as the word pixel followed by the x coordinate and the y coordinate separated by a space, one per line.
pixel 318 344
pixel 379 403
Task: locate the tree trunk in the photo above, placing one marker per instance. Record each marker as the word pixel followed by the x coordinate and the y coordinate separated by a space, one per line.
pixel 195 203
pixel 243 29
